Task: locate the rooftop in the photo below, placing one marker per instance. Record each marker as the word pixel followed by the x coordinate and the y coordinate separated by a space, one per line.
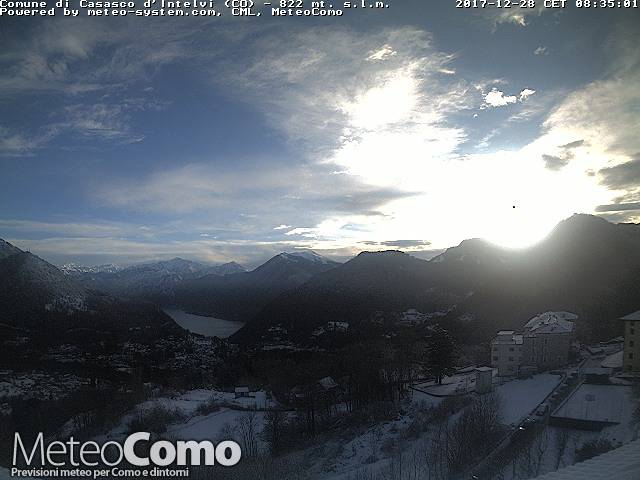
pixel 598 403
pixel 551 322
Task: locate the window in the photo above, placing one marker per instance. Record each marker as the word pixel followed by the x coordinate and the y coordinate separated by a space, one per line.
pixel 631 343
pixel 511 359
pixel 511 349
pixel 632 331
pixel 495 359
pixel 630 355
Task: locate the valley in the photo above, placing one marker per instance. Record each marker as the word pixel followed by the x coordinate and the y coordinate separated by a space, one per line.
pixel 320 369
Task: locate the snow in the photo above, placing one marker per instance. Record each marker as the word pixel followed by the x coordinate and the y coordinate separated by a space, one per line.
pixel 212 426
pixel 196 427
pixel 521 397
pixel 307 255
pixel 604 403
pixel 552 322
pixel 613 361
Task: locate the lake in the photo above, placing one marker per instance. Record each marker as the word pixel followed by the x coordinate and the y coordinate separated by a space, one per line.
pixel 208 326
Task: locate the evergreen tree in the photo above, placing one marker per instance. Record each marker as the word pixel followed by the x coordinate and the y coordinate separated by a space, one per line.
pixel 440 355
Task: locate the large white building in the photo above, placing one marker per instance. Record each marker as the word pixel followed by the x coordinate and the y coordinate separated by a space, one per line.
pixel 543 344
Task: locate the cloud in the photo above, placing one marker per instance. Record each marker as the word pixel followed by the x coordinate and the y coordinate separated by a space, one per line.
pixel 619 207
pixel 526 93
pixel 623 176
pixel 554 163
pixel 72 229
pixel 497 98
pixel 383 53
pixel 572 145
pixel 541 51
pixel 520 17
pixel 408 244
pixel 282 227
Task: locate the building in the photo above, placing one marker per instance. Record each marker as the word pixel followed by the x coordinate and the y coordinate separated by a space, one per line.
pixel 241 392
pixel 543 344
pixel 631 359
pixel 484 379
pixel 506 352
pixel 594 407
pixel 547 340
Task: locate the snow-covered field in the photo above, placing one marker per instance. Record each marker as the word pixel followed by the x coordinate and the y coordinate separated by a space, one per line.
pixel 521 397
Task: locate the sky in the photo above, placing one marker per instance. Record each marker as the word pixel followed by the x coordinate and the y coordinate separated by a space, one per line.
pixel 412 127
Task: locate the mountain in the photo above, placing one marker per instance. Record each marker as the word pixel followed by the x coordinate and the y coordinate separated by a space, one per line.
pixel 155 281
pixel 74 269
pixel 38 300
pixel 585 265
pixel 239 296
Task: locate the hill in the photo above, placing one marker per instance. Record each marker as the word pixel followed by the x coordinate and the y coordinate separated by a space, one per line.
pixel 585 265
pixel 240 296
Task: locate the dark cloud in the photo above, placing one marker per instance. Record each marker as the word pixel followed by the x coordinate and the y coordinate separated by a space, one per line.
pixel 618 207
pixel 625 175
pixel 620 217
pixel 555 163
pixel 571 145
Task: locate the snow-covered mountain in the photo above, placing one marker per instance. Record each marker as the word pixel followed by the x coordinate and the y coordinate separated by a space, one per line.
pixel 150 280
pixel 308 255
pixel 72 268
pixel 38 299
pixel 37 282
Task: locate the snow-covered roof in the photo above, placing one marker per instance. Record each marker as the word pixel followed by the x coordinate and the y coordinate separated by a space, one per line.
pixel 241 389
pixel 623 463
pixel 614 361
pixel 597 403
pixel 551 322
pixel 327 383
pixel 635 316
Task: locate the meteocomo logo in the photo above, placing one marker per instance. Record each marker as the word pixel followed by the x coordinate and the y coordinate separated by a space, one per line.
pixel 90 459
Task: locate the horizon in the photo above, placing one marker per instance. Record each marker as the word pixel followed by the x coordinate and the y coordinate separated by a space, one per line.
pixel 426 255
pixel 413 127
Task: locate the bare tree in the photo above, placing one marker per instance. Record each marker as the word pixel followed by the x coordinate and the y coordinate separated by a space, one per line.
pixel 562 437
pixel 247 427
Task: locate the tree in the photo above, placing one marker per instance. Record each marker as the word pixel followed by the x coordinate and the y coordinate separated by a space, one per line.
pixel 274 430
pixel 441 353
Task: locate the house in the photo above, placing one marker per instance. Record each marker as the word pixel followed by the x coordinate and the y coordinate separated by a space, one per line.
pixel 543 344
pixel 241 392
pixel 631 359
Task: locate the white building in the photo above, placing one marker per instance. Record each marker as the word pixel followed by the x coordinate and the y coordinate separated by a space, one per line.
pixel 506 352
pixel 543 344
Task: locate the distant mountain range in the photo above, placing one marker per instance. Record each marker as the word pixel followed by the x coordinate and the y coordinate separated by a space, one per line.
pixel 39 300
pixel 240 296
pixel 585 265
pixel 155 281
